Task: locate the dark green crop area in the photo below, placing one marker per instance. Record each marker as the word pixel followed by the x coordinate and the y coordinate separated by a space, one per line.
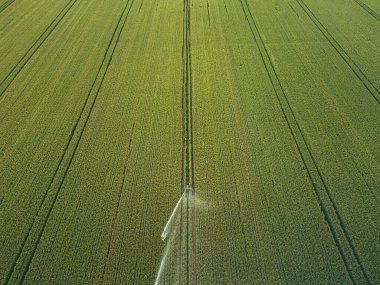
pixel 248 129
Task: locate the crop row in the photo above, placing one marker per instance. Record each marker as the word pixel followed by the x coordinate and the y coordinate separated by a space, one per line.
pixel 40 124
pixel 284 49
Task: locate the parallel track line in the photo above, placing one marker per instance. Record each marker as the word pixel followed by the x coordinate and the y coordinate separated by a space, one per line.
pixel 117 209
pixel 6 5
pixel 269 66
pixel 342 53
pixel 187 179
pixel 368 9
pixel 99 78
pixel 183 166
pixel 7 81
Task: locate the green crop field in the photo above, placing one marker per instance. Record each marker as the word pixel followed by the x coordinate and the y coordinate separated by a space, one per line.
pixel 190 142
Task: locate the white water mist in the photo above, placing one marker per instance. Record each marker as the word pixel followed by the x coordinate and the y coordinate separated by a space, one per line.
pixel 169 223
pixel 162 265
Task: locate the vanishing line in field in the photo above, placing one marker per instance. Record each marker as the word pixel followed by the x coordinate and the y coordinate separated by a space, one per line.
pixel 208 13
pixel 368 9
pixel 340 50
pixel 6 5
pixel 304 149
pixel 187 164
pixel 117 210
pixel 77 132
pixel 187 177
pixel 225 7
pixel 7 81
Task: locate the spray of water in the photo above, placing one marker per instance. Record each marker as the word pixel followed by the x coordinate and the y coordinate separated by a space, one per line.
pixel 169 264
pixel 168 225
pixel 162 266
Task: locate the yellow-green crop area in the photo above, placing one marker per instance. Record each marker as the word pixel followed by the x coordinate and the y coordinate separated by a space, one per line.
pixel 190 142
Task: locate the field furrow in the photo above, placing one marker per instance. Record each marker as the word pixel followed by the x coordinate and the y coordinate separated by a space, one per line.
pixel 372 89
pixel 120 208
pixel 16 51
pixel 356 35
pixel 333 183
pixel 41 200
pixel 4 4
pixel 309 161
pixel 187 235
pixel 208 152
pixel 45 208
pixel 368 10
pixel 26 57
